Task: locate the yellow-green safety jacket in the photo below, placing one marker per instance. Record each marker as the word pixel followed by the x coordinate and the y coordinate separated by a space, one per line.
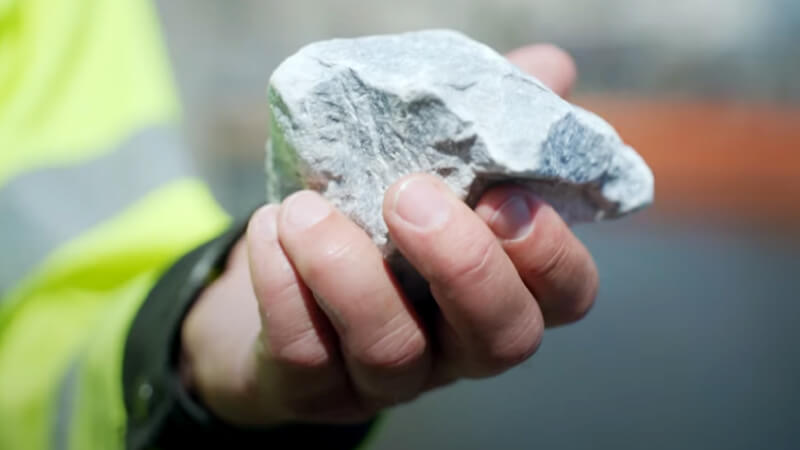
pixel 97 203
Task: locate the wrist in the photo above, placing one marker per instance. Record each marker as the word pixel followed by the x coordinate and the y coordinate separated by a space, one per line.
pixel 153 393
pixel 220 348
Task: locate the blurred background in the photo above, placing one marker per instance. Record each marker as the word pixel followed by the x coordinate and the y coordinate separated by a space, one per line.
pixel 693 342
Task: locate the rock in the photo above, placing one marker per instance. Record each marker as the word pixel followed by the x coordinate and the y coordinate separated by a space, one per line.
pixel 351 116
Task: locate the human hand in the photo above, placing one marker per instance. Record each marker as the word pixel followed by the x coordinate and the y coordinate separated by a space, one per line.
pixel 307 324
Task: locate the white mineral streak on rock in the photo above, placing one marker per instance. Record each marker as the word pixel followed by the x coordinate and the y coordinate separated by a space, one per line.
pixel 351 116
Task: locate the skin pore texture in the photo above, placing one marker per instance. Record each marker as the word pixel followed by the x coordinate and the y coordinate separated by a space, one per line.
pixel 307 324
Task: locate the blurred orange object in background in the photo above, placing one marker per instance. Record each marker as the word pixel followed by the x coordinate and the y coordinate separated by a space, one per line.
pixel 715 159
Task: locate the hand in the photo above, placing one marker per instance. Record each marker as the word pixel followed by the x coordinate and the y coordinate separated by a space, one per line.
pixel 307 324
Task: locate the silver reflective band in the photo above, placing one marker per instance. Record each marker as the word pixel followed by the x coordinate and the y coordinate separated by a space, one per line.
pixel 41 210
pixel 64 406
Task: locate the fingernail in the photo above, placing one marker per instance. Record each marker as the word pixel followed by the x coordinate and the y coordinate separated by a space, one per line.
pixel 513 219
pixel 306 209
pixel 421 204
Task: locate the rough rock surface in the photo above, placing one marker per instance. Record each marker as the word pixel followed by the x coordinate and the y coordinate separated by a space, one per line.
pixel 351 116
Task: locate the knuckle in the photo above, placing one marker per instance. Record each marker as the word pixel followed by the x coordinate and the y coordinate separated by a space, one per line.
pixel 511 352
pixel 331 257
pixel 279 288
pixel 587 300
pixel 563 317
pixel 399 348
pixel 572 293
pixel 584 301
pixel 552 254
pixel 577 313
pixel 303 350
pixel 471 265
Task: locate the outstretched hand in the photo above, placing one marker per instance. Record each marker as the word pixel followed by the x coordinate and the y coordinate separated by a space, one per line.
pixel 307 324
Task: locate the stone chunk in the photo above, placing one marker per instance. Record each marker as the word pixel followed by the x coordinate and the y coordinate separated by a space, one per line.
pixel 351 116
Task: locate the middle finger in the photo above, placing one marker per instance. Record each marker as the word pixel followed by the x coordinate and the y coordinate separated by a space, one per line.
pixel 491 320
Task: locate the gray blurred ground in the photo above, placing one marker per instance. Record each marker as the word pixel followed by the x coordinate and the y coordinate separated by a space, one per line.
pixel 692 343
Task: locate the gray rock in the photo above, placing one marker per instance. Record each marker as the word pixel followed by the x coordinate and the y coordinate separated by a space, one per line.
pixel 351 116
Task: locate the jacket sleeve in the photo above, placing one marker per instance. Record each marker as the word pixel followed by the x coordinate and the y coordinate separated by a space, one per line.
pixel 88 350
pixel 63 329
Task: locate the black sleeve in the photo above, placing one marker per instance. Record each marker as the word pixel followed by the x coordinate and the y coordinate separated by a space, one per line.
pixel 161 413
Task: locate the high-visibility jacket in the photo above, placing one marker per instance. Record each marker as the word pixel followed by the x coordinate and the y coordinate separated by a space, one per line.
pixel 97 201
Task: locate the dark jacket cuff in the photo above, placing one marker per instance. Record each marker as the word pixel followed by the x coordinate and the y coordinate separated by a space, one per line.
pixel 161 413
